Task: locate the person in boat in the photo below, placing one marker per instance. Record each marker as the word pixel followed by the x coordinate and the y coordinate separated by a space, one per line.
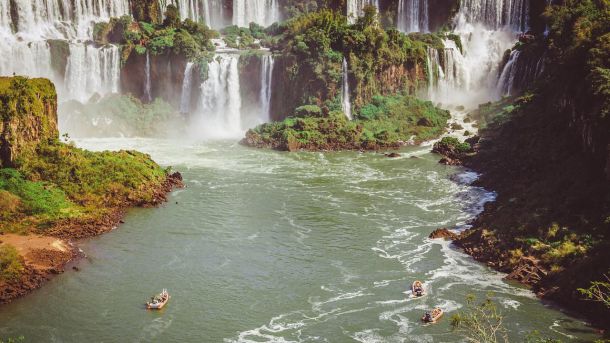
pixel 428 317
pixel 419 291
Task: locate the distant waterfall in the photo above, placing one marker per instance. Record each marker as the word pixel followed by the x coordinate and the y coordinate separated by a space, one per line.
pixel 25 27
pixel 497 13
pixel 185 98
pixel 345 95
pixel 355 8
pixel 61 18
pixel 266 86
pixel 92 70
pixel 147 81
pixel 262 12
pixel 413 16
pixel 208 10
pixel 220 107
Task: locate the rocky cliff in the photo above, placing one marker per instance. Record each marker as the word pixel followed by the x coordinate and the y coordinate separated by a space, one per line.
pixel 28 116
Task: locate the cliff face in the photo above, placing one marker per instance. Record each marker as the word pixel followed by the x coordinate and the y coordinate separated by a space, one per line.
pixel 166 76
pixel 28 116
pixel 546 156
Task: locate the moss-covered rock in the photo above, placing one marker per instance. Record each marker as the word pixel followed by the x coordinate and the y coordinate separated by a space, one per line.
pixel 28 117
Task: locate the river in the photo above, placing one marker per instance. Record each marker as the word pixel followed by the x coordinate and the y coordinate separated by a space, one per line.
pixel 263 246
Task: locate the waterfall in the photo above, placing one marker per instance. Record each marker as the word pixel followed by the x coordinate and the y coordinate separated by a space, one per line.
pixel 495 14
pixel 355 8
pixel 507 78
pixel 413 16
pixel 147 81
pixel 25 27
pixel 434 70
pixel 520 71
pixel 266 86
pixel 220 108
pixel 345 95
pixel 92 70
pixel 262 12
pixel 185 98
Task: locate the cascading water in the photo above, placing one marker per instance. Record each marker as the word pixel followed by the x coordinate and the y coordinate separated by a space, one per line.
pixel 413 16
pixel 147 81
pixel 266 87
pixel 262 12
pixel 507 78
pixel 92 70
pixel 211 11
pixel 185 98
pixel 27 25
pixel 468 76
pixel 495 14
pixel 355 8
pixel 219 115
pixel 345 95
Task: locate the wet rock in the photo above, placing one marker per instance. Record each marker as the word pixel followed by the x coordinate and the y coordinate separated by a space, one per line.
pixel 392 155
pixel 443 233
pixel 425 122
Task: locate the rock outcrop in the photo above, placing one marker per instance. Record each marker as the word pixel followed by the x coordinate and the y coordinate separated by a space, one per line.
pixel 28 116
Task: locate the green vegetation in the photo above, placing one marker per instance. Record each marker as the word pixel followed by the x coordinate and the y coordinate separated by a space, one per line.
pixel 50 182
pixel 252 37
pixel 381 62
pixel 480 323
pixel 386 122
pixel 11 263
pixel 546 155
pixel 454 144
pixel 188 38
pixel 483 323
pixel 598 291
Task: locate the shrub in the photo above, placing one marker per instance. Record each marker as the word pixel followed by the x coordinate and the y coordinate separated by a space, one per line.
pixel 461 147
pixel 11 263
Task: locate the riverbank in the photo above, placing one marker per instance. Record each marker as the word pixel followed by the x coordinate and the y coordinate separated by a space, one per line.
pixel 52 190
pixel 547 228
pixel 43 256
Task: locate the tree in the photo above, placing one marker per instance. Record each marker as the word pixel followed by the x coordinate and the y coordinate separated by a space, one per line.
pixel 480 323
pixel 598 291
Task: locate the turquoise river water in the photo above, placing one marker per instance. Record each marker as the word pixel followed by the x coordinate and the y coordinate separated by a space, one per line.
pixel 265 246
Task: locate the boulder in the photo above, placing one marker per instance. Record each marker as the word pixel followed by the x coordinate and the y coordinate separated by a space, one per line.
pixel 443 233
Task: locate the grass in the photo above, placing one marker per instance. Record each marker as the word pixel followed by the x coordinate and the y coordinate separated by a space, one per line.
pixel 11 264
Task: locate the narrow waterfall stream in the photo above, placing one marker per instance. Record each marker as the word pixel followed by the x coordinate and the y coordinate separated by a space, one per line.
pixel 266 87
pixel 345 92
pixel 185 98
